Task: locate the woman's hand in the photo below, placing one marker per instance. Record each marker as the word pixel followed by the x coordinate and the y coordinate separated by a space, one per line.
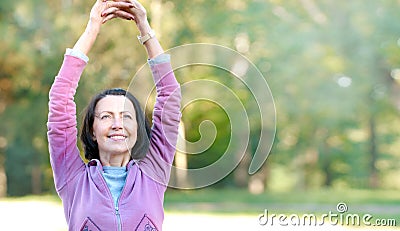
pixel 97 18
pixel 135 12
pixel 120 9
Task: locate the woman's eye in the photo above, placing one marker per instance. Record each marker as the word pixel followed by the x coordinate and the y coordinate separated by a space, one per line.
pixel 127 117
pixel 103 117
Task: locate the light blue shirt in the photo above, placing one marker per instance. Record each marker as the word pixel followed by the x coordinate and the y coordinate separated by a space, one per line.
pixel 115 178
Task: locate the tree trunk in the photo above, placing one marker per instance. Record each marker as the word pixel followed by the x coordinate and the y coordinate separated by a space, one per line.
pixel 328 173
pixel 179 177
pixel 36 180
pixel 241 176
pixel 326 160
pixel 3 178
pixel 373 177
pixel 258 181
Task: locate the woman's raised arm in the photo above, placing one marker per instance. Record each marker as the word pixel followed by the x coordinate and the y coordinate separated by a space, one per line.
pixel 61 125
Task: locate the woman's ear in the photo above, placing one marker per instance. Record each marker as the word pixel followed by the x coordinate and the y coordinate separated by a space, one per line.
pixel 94 136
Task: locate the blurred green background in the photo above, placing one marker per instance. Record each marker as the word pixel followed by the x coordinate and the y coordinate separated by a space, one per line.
pixel 333 68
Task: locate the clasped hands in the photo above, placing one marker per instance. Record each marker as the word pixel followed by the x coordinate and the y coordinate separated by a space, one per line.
pixel 105 10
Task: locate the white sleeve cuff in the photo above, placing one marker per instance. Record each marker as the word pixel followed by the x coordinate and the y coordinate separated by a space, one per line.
pixel 162 58
pixel 77 54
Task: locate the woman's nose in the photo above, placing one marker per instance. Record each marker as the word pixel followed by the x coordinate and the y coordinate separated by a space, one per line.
pixel 117 122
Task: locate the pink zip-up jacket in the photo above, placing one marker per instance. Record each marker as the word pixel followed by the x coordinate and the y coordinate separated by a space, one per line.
pixel 88 204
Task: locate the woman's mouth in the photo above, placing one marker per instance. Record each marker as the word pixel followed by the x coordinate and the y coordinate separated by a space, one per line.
pixel 117 137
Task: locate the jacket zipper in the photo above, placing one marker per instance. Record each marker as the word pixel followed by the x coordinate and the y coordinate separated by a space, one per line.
pixel 118 216
pixel 117 213
pixel 116 207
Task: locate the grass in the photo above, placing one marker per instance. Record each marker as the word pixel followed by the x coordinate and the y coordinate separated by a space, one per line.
pixel 380 203
pixel 322 196
pixel 43 198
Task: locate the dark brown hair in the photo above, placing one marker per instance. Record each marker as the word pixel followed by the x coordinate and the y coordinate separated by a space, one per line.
pixel 91 148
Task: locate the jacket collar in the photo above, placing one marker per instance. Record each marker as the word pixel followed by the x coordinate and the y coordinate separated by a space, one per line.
pixel 96 162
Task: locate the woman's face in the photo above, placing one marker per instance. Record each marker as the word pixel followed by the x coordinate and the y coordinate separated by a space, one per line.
pixel 115 126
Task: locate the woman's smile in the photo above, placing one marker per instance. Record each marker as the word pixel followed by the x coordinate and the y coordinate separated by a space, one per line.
pixel 117 137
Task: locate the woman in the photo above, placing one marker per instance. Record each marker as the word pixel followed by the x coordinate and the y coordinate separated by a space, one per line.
pixel 122 186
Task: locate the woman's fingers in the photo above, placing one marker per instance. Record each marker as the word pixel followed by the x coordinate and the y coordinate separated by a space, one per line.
pixel 130 6
pixel 137 5
pixel 125 9
pixel 119 5
pixel 118 9
pixel 108 18
pixel 124 15
pixel 118 14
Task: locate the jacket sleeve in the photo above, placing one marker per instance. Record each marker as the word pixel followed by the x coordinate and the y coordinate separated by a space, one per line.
pixel 62 132
pixel 166 117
